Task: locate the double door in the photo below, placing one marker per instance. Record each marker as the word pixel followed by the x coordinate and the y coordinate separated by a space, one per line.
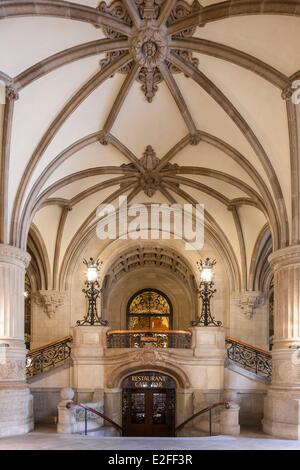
pixel 148 412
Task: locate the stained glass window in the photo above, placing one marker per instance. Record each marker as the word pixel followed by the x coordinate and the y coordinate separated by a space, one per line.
pixel 149 310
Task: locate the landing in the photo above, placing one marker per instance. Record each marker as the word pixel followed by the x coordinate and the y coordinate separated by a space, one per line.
pixel 47 439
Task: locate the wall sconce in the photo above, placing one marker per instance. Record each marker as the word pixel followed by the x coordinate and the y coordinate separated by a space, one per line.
pixel 206 292
pixel 92 292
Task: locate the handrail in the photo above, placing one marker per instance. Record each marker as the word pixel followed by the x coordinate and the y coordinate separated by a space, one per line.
pixel 250 346
pixel 205 410
pixel 47 357
pixel 175 332
pixel 249 357
pixel 48 345
pixel 70 404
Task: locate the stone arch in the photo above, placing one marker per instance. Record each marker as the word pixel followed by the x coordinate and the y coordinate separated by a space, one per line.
pixel 120 373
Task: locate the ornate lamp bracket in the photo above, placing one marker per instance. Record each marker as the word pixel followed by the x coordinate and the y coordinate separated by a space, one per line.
pixel 92 291
pixel 206 291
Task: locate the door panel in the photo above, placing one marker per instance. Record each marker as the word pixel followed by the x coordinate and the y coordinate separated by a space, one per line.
pixel 148 412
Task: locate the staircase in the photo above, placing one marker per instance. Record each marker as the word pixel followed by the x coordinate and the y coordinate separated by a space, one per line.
pixel 256 361
pixel 48 357
pixel 241 355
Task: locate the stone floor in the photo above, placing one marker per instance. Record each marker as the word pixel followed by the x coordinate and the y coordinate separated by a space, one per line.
pixel 47 439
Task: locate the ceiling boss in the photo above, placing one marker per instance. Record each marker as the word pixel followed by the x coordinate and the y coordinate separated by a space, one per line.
pixel 150 43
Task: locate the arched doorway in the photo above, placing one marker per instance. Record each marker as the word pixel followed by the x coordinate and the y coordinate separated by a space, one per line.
pixel 148 404
pixel 149 309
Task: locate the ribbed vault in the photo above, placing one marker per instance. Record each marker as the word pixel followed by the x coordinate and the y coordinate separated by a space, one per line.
pixel 128 99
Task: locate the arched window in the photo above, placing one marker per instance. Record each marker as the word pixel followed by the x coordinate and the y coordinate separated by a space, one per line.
pixel 149 309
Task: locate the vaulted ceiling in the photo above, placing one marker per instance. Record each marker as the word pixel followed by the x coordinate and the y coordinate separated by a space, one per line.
pixel 161 100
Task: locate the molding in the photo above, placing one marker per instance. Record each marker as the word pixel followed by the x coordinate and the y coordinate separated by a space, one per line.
pixel 12 255
pixel 285 258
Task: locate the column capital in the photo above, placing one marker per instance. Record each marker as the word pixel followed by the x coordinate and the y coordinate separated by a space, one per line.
pixel 13 255
pixel 285 257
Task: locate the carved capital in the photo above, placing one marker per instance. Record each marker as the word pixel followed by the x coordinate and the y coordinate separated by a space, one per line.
pixel 11 254
pixel 249 301
pixel 50 301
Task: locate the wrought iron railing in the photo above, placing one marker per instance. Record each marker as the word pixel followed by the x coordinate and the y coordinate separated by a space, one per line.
pixel 249 357
pixel 46 357
pixel 201 412
pixel 156 338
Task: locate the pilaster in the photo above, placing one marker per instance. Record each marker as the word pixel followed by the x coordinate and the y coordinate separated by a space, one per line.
pixel 15 399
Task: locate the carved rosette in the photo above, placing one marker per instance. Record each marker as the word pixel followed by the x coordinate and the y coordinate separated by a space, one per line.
pixel 50 301
pixel 149 46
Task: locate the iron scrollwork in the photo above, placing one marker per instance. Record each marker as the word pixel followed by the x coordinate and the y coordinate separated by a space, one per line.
pixel 48 357
pixel 254 360
pixel 142 339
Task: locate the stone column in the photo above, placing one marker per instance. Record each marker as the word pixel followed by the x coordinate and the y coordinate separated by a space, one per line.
pixel 282 404
pixel 16 415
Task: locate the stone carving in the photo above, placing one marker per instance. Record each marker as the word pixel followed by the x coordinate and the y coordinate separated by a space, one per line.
pixel 187 56
pixel 11 93
pixel 50 301
pixel 12 370
pixel 151 178
pixel 148 356
pixel 248 302
pixel 112 57
pixel 149 45
pixel 150 80
pixel 149 9
pixel 149 48
pixel 117 10
pixel 14 254
pixel 287 93
pixel 181 10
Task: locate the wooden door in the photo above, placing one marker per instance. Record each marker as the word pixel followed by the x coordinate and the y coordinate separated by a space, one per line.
pixel 148 412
